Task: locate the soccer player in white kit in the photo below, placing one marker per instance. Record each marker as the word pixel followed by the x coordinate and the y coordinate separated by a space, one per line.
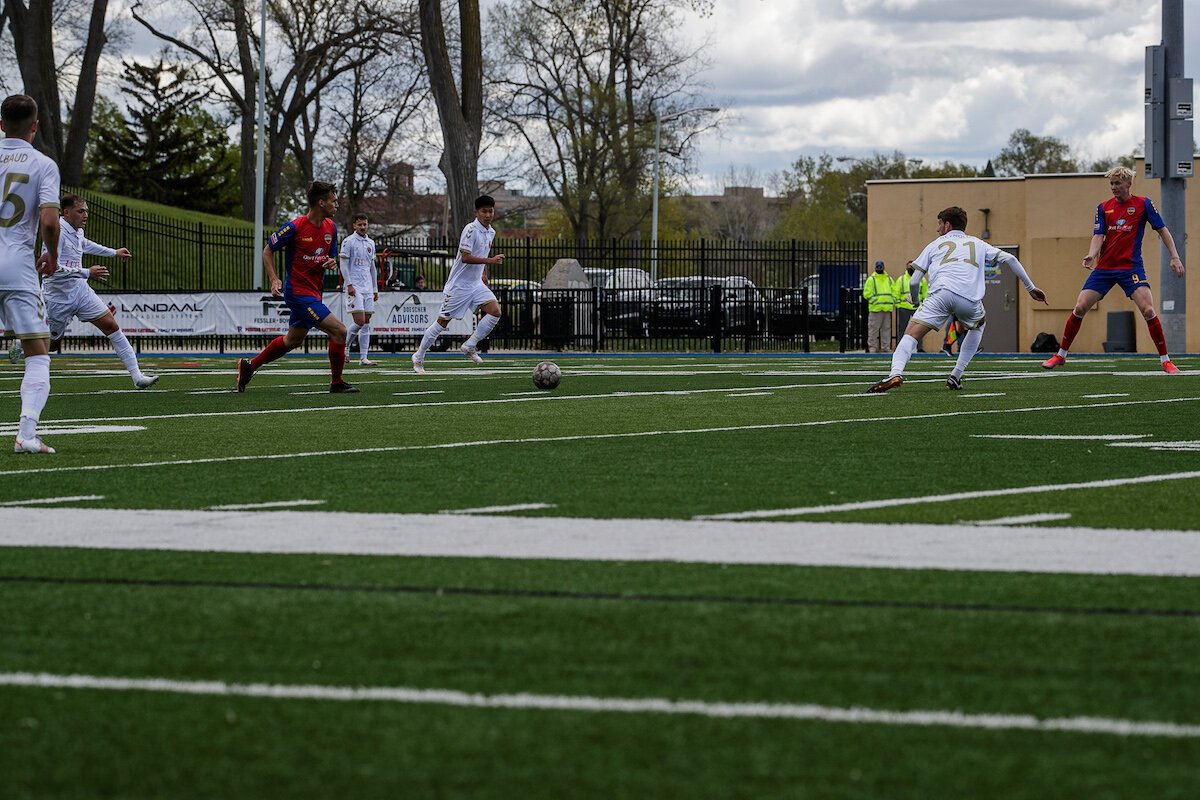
pixel 466 288
pixel 955 265
pixel 68 294
pixel 360 278
pixel 30 183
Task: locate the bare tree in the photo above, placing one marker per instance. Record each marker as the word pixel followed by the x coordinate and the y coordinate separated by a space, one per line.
pixel 580 83
pixel 316 45
pixel 33 28
pixel 460 105
pixel 744 213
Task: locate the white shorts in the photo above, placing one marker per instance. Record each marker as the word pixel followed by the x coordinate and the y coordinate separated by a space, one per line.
pixel 941 305
pixel 360 301
pixel 24 313
pixel 83 302
pixel 458 301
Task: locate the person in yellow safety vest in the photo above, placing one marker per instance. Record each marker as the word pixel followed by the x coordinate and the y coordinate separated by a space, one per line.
pixel 904 301
pixel 881 299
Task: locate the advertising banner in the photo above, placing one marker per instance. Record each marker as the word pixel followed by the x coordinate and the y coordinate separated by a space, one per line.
pixel 405 314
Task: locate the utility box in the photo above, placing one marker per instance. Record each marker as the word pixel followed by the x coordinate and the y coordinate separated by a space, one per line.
pixel 1156 142
pixel 1156 72
pixel 1179 146
pixel 1179 98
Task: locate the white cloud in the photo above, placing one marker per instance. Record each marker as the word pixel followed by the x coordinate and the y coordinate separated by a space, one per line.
pixel 936 79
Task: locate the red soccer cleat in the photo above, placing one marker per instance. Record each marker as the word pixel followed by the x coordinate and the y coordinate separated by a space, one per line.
pixel 1053 361
pixel 1170 368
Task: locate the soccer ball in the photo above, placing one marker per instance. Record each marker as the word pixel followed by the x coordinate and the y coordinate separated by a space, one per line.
pixel 546 375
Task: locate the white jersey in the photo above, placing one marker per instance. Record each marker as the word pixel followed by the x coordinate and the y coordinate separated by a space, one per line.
pixel 29 182
pixel 72 273
pixel 955 262
pixel 357 259
pixel 477 241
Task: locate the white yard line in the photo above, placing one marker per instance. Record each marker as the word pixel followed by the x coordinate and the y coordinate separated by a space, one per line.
pixel 53 429
pixel 536 440
pixel 1061 437
pixel 1101 396
pixel 1027 519
pixel 996 548
pixel 751 394
pixel 498 509
pixel 895 502
pixel 271 504
pixel 984 394
pixel 856 715
pixel 47 501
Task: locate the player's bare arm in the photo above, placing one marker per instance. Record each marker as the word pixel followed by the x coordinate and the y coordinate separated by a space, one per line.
pixel 51 227
pixel 1089 261
pixel 272 276
pixel 1169 242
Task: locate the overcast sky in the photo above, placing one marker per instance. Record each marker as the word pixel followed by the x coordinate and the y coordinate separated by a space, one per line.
pixel 936 79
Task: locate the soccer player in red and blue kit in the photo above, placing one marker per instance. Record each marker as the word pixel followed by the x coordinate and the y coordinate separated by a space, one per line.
pixel 309 245
pixel 1115 258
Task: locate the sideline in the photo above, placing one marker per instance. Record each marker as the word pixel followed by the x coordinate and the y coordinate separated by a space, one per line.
pixel 971 547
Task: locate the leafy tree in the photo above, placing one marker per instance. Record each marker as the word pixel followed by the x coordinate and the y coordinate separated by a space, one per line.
pixel 1027 154
pixel 169 149
pixel 578 82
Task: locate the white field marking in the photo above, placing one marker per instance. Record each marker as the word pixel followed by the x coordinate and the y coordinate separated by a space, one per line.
pixel 498 509
pixel 271 504
pixel 1100 396
pixel 427 391
pixel 46 501
pixel 856 715
pixel 751 394
pixel 545 439
pixel 984 394
pixel 64 430
pixel 1026 519
pixel 1063 437
pixel 106 391
pixel 864 394
pixel 1066 550
pixel 1187 446
pixel 950 498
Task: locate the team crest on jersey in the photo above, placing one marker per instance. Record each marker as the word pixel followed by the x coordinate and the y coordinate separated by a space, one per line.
pixel 1130 211
pixel 328 238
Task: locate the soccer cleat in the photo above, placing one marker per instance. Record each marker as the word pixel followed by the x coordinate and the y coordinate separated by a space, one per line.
pixel 245 371
pixel 1053 361
pixel 366 362
pixel 946 351
pixel 15 351
pixel 954 382
pixel 887 383
pixel 418 364
pixel 1170 368
pixel 145 381
pixel 341 387
pixel 471 353
pixel 34 445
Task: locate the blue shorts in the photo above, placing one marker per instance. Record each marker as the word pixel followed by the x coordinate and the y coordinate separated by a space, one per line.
pixel 1130 280
pixel 307 312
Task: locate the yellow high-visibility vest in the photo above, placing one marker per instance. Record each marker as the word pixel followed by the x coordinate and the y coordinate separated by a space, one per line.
pixel 878 292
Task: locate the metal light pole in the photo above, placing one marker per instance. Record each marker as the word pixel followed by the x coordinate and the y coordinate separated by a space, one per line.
pixel 658 121
pixel 260 160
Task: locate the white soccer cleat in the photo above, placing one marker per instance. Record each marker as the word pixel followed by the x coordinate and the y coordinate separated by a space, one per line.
pixel 145 381
pixel 15 351
pixel 471 353
pixel 34 445
pixel 366 362
pixel 418 364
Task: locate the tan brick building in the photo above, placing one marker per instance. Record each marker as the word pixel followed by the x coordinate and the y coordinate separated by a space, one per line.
pixel 1049 218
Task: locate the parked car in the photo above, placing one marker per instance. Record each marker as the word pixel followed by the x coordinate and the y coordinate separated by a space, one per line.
pixel 683 305
pixel 787 313
pixel 520 301
pixel 625 297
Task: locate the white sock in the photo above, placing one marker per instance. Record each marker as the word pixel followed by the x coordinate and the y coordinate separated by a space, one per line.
pixel 431 334
pixel 351 333
pixel 904 351
pixel 364 341
pixel 125 353
pixel 967 350
pixel 483 329
pixel 35 390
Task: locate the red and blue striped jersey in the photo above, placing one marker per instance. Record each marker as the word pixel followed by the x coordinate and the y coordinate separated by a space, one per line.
pixel 305 247
pixel 1123 225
